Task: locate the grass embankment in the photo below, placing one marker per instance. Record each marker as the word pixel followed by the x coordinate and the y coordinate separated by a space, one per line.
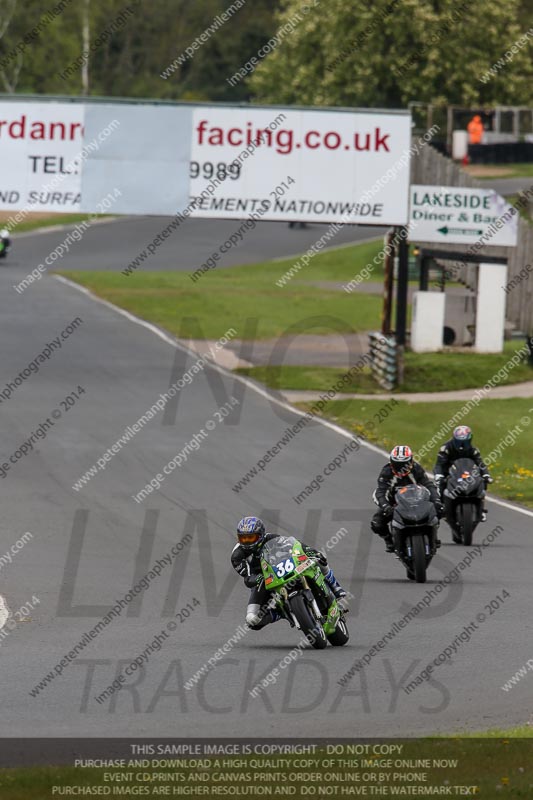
pixel 225 298
pixel 415 425
pixel 433 372
pixel 33 221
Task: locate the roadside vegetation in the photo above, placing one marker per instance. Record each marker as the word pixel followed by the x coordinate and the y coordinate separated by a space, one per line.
pixel 434 372
pixel 227 297
pixel 492 421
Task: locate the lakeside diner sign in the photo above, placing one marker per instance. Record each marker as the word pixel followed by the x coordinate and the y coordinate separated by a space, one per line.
pixel 459 215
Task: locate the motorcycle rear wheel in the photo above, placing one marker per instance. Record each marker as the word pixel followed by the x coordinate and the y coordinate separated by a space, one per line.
pixel 419 558
pixel 309 625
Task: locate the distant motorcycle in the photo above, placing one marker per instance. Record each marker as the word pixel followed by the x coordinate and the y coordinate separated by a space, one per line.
pixel 5 243
pixel 414 528
pixel 464 499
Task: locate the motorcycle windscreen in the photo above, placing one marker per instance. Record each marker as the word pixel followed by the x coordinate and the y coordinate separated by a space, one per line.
pixel 464 476
pixel 278 549
pixel 413 505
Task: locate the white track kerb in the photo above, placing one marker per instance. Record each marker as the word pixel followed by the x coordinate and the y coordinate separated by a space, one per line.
pixel 252 386
pixel 4 612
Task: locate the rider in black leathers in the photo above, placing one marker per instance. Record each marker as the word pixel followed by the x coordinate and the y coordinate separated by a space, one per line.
pixel 459 446
pixel 401 470
pixel 6 241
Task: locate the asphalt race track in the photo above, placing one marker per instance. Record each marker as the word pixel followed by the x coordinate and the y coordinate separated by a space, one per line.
pixel 89 547
pixel 114 244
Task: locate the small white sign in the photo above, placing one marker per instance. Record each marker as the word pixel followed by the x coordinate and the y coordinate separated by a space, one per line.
pixel 456 215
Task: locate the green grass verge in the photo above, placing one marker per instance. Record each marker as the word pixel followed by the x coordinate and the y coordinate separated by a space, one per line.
pixel 417 424
pixel 45 222
pixel 520 732
pixel 435 372
pixel 226 298
pixel 521 170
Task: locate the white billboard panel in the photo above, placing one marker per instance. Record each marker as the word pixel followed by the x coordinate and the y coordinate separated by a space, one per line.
pixel 141 157
pixel 40 145
pixel 316 166
pixel 216 161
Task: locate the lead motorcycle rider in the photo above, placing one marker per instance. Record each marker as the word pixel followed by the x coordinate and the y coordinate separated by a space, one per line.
pixel 246 560
pixel 401 470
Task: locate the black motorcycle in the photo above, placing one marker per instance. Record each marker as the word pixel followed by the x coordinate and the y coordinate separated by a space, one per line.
pixel 414 530
pixel 463 497
pixel 5 243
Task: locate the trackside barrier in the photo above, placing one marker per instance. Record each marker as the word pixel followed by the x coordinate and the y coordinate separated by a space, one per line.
pixel 384 364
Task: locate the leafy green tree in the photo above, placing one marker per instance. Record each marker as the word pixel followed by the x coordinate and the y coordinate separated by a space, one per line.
pixel 394 51
pixel 134 42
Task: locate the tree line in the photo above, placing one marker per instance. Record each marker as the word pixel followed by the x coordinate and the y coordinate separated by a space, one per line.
pixel 318 52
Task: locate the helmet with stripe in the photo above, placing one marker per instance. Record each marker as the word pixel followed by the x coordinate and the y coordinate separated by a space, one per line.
pixel 401 460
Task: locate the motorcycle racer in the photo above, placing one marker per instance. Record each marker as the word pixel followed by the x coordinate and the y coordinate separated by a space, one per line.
pixel 401 470
pixel 459 446
pixel 246 560
pixel 5 242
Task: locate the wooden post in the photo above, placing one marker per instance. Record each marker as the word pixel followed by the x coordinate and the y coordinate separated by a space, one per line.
pixel 401 302
pixel 388 280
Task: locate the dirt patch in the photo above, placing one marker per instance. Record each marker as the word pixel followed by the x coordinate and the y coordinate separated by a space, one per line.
pixel 487 171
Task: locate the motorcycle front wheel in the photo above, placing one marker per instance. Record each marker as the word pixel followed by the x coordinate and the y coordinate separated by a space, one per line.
pixel 418 549
pixel 465 512
pixel 309 625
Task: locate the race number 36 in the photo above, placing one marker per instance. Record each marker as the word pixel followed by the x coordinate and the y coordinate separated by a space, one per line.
pixel 284 567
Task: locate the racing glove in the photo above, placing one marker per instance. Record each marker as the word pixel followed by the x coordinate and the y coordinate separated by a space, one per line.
pixel 439 508
pixel 386 509
pixel 320 557
pixel 251 581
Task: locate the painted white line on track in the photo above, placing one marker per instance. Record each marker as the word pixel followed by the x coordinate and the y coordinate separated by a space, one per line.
pixel 166 337
pixel 4 612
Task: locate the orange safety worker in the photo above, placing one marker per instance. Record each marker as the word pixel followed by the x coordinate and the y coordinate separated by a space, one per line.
pixel 475 130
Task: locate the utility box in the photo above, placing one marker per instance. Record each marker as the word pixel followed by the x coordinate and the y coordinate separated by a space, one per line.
pixel 427 321
pixel 490 316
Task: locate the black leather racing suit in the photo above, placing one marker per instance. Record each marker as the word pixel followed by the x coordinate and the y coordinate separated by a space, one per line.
pixel 446 457
pixel 388 483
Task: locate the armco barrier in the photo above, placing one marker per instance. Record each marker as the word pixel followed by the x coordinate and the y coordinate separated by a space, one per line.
pixel 384 355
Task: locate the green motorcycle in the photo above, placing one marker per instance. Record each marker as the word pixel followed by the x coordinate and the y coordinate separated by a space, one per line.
pixel 5 243
pixel 302 595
